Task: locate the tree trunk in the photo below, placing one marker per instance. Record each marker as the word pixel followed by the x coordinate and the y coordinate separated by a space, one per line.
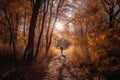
pixel 16 27
pixel 24 28
pixel 11 34
pixel 41 32
pixel 111 18
pixel 28 54
pixel 48 29
pixel 49 38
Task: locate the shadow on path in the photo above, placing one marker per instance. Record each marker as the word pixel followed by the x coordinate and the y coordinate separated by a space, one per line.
pixel 60 77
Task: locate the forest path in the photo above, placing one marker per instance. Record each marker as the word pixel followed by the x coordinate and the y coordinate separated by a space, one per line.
pixel 57 69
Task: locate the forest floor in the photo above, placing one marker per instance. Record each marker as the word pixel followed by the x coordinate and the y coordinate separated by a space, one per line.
pixel 57 69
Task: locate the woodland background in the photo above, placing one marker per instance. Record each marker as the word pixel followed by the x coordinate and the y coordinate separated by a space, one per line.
pixel 91 36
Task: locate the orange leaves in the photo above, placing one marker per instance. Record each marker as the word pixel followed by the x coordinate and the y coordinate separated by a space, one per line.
pixel 15 7
pixel 18 6
pixel 104 49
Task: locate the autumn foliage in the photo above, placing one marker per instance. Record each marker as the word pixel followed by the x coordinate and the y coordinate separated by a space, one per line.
pixel 88 31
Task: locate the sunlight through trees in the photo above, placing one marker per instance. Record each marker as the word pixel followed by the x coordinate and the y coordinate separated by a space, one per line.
pixel 32 33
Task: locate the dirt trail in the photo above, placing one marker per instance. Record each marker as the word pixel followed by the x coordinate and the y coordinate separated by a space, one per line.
pixel 57 69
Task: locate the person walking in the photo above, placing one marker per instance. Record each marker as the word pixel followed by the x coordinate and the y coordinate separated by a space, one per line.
pixel 61 48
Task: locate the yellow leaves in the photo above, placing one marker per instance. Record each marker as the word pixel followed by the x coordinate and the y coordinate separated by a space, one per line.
pixel 115 32
pixel 102 37
pixel 100 42
pixel 90 38
pixel 106 53
pixel 94 57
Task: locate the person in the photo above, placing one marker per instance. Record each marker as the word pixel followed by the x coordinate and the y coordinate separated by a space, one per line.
pixel 61 48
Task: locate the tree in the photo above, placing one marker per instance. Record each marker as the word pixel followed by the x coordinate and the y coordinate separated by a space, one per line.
pixel 112 8
pixel 28 54
pixel 45 10
pixel 53 12
pixel 49 11
pixel 8 18
pixel 12 24
pixel 12 13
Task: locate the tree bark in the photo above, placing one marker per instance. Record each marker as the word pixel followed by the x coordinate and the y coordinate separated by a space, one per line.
pixel 111 16
pixel 11 35
pixel 28 54
pixel 16 26
pixel 24 28
pixel 42 29
pixel 48 29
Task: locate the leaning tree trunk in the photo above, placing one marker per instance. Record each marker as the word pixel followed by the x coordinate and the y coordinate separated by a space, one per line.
pixel 28 54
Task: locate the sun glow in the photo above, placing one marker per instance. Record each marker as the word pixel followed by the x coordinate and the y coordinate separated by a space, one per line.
pixel 59 26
